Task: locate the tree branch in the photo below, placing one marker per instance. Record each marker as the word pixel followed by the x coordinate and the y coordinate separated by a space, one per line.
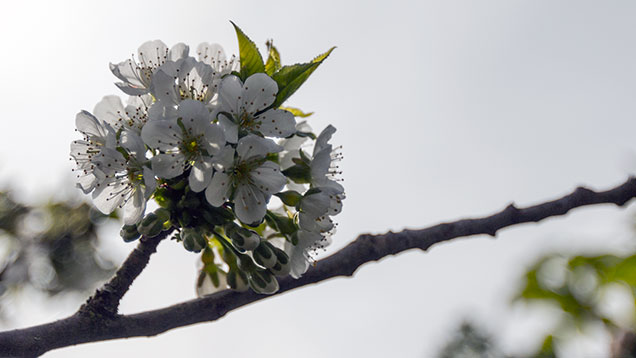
pixel 83 327
pixel 105 301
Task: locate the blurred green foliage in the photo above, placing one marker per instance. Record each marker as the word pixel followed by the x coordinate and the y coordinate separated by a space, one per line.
pixel 578 286
pixel 470 341
pixel 51 247
pixel 586 291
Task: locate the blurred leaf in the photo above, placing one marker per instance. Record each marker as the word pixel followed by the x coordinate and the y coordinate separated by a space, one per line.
pixel 55 246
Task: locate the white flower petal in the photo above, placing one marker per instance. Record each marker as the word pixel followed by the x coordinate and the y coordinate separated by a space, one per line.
pixel 277 123
pixel 320 165
pixel 152 53
pixel 315 205
pixel 252 146
pixel 194 115
pixel 134 208
pixel 127 72
pixel 224 159
pixel 109 195
pixel 249 204
pixel 321 224
pixel 168 166
pixel 259 92
pixel 110 110
pixel 130 90
pixel 109 161
pixel 230 94
pixel 212 54
pixel 199 80
pixel 214 139
pixel 268 178
pixel 133 143
pixel 163 135
pixel 298 255
pixel 150 182
pixel 229 127
pixel 201 174
pixel 218 192
pixel 178 51
pixel 87 181
pixel 87 124
pixel 161 110
pixel 163 84
pixel 323 139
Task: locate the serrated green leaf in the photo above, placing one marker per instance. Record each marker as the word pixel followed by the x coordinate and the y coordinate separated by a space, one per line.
pixel 297 112
pixel 290 78
pixel 273 58
pixel 250 58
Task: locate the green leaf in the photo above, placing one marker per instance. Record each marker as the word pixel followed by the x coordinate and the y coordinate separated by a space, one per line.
pixel 297 112
pixel 281 223
pixel 273 59
pixel 290 197
pixel 299 173
pixel 290 78
pixel 250 58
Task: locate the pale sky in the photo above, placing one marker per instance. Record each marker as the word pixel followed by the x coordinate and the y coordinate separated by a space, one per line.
pixel 445 109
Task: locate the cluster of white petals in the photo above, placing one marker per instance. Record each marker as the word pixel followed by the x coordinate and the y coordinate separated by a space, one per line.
pixel 194 121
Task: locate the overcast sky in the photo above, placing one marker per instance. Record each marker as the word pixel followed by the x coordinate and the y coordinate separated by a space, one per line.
pixel 445 109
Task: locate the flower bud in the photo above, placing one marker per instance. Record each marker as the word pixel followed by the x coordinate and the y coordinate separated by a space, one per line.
pixel 242 238
pixel 184 219
pixel 193 240
pixel 129 233
pixel 237 280
pixel 264 255
pixel 263 282
pixel 211 218
pixel 189 201
pixel 150 226
pixel 283 265
pixel 245 263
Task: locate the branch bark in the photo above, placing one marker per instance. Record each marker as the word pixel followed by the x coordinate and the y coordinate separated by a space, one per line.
pixel 105 301
pixel 97 320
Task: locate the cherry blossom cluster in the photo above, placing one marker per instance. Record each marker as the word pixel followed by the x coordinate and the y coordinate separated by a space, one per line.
pixel 231 170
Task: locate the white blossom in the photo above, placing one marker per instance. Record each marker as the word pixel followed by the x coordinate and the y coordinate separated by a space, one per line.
pixel 111 110
pixel 131 182
pixel 187 141
pixel 213 55
pixel 251 178
pixel 241 106
pixel 97 136
pixel 186 78
pixel 300 255
pixel 292 145
pixel 316 209
pixel 324 168
pixel 136 76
